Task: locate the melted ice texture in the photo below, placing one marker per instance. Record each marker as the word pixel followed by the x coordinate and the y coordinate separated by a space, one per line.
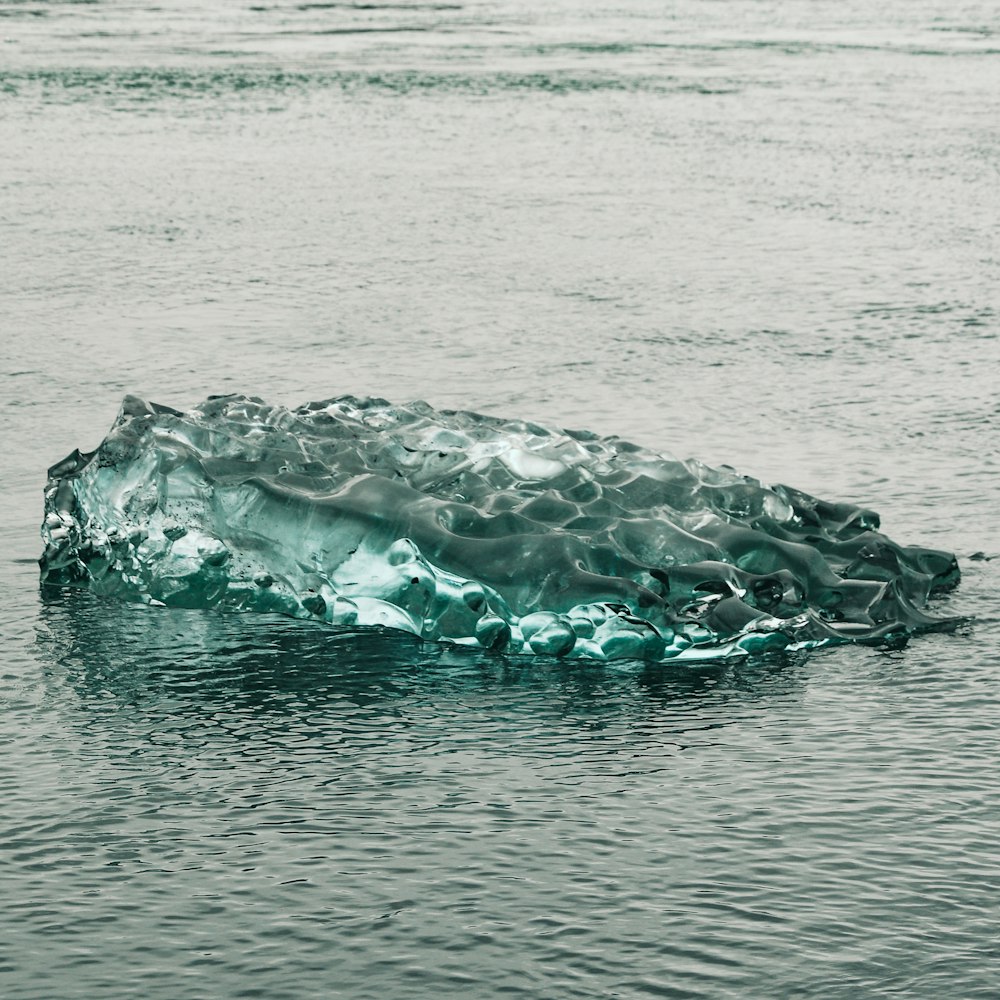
pixel 493 533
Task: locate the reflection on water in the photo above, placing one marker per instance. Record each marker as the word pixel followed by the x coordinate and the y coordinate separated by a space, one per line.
pixel 243 796
pixel 123 657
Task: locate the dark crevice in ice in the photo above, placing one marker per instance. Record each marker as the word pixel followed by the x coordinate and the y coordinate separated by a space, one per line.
pixel 498 534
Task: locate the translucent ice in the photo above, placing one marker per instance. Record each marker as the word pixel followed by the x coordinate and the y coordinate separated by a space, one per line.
pixel 498 534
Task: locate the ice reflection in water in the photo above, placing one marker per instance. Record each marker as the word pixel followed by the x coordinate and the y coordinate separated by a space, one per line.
pixel 425 814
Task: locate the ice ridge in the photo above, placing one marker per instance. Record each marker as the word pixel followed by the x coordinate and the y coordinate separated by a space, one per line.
pixel 493 533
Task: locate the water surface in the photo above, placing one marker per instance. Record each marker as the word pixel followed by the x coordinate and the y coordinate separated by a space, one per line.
pixel 759 234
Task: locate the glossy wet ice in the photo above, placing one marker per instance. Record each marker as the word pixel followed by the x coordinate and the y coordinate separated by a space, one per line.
pixel 492 533
pixel 762 235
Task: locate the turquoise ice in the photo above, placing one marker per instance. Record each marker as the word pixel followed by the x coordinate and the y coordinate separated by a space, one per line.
pixel 492 533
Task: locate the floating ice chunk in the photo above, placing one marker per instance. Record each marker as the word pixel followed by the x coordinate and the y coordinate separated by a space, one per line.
pixel 499 534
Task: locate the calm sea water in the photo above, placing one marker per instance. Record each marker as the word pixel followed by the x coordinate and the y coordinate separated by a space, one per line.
pixel 763 234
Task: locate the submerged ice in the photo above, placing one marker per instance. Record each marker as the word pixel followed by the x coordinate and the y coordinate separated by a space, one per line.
pixel 498 534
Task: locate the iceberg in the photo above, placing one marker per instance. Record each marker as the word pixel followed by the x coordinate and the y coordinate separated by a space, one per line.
pixel 492 533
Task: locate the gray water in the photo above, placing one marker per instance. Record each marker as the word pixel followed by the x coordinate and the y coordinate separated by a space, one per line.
pixel 761 234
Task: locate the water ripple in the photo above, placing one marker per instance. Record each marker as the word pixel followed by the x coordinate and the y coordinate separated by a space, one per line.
pixel 796 276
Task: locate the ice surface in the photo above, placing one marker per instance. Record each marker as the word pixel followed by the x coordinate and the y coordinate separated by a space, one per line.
pixel 498 534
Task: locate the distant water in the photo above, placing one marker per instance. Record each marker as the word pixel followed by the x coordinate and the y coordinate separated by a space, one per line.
pixel 759 234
